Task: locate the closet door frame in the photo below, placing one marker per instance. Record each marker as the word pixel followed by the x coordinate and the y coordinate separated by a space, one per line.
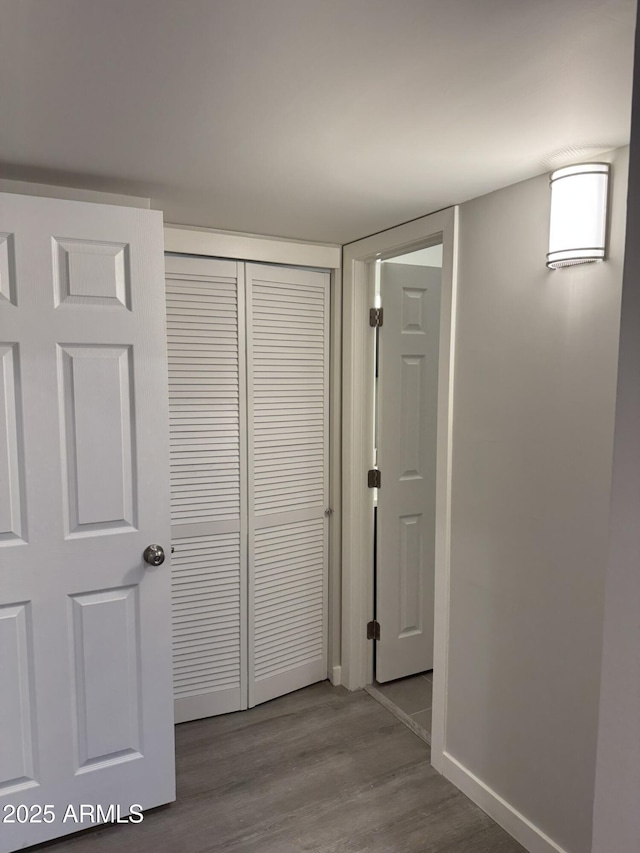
pixel 246 247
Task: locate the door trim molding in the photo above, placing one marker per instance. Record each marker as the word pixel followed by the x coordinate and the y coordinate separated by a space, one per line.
pixel 232 245
pixel 357 411
pixel 189 240
pixel 505 815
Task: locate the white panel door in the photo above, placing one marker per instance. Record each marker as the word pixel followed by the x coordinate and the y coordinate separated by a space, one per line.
pixel 86 713
pixel 288 392
pixel 407 418
pixel 207 394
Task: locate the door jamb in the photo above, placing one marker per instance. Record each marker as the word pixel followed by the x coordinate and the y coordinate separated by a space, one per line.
pixel 357 412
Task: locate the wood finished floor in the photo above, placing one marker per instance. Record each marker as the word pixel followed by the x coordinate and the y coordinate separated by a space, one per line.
pixel 318 771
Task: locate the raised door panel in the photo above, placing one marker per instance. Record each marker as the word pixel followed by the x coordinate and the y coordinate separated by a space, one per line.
pixel 411 437
pixel 106 653
pixel 205 325
pixel 288 373
pixel 410 575
pixel 91 273
pixel 12 496
pixel 7 269
pixel 97 414
pixel 18 736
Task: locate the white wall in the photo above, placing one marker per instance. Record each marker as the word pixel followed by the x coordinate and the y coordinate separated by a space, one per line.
pixel 430 257
pixel 535 381
pixel 617 806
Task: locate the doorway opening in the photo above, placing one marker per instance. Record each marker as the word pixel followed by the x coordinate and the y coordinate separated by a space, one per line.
pixel 360 601
pixel 407 290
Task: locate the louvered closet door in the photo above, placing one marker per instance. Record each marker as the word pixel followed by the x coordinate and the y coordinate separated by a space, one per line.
pixel 207 393
pixel 288 385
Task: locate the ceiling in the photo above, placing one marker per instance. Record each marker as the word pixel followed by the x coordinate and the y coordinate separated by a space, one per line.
pixel 323 120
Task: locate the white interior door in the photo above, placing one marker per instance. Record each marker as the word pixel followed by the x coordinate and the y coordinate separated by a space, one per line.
pixel 207 393
pixel 288 385
pixel 407 418
pixel 86 715
pixel 249 396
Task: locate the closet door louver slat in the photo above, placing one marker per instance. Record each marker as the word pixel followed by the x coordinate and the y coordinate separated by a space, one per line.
pixel 207 401
pixel 288 370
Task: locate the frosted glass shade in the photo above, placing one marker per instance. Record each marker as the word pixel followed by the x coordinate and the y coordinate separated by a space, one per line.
pixel 578 228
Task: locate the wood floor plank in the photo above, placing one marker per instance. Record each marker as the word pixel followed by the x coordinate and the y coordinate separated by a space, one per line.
pixel 319 771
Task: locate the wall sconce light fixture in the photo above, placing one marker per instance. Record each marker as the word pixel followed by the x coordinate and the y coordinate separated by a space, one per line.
pixel 577 233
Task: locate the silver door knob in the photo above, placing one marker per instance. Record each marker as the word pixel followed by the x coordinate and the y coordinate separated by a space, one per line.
pixel 154 555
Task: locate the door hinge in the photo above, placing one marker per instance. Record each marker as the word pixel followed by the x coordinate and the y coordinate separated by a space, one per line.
pixel 374 478
pixel 376 316
pixel 373 630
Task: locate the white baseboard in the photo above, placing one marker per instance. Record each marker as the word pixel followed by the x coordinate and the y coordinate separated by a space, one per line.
pixel 335 676
pixel 530 836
